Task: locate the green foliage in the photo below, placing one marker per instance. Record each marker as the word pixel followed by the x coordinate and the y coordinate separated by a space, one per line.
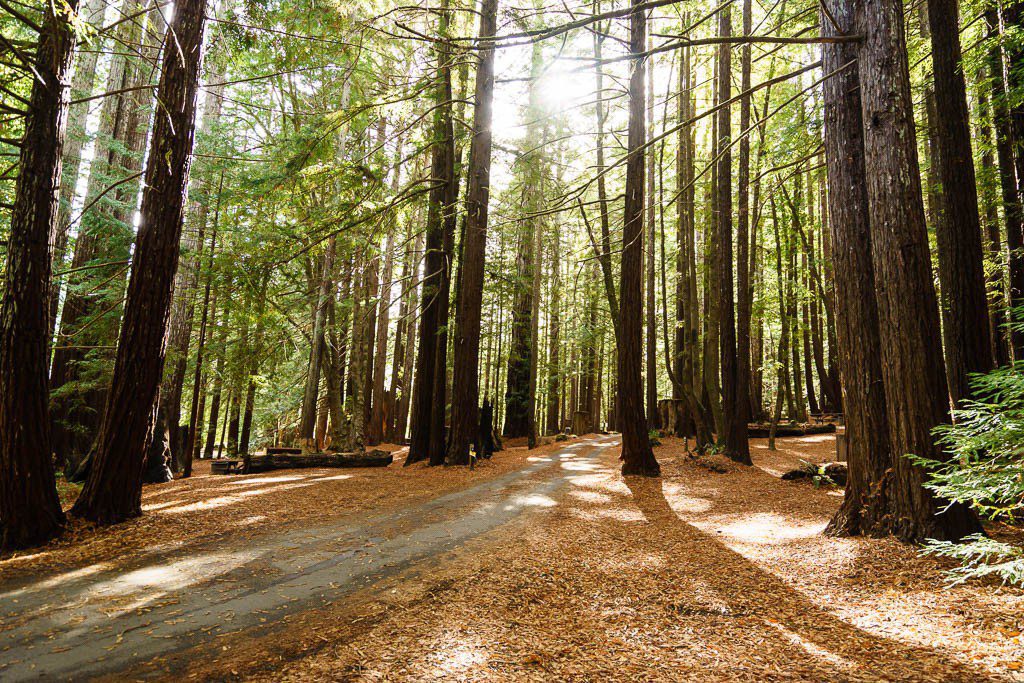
pixel 986 471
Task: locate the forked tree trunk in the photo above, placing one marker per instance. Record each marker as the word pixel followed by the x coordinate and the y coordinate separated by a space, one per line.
pixel 113 491
pixel 637 456
pixel 325 295
pixel 911 353
pixel 30 511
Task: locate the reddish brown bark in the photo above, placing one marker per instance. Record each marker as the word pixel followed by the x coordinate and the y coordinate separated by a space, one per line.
pixel 113 490
pixel 30 511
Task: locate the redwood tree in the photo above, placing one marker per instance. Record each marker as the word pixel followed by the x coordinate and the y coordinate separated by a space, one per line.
pixel 113 491
pixel 961 268
pixel 867 429
pixel 30 511
pixel 909 333
pixel 734 405
pixel 637 456
pixel 466 348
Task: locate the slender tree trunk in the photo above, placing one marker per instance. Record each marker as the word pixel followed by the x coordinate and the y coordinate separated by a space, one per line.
pixel 405 399
pixel 1013 201
pixel 911 353
pixel 650 317
pixel 745 292
pixel 113 491
pixel 604 257
pixel 185 283
pixel 554 339
pixel 218 384
pixel 637 456
pixel 196 415
pixel 30 511
pixel 78 114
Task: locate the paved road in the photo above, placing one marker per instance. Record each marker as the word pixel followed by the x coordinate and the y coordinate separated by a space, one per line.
pixel 92 622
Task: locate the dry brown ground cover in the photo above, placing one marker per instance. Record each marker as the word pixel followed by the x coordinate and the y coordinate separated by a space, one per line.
pixel 696 576
pixel 207 507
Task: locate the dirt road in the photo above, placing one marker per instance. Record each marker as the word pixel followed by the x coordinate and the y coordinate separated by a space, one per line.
pixel 97 621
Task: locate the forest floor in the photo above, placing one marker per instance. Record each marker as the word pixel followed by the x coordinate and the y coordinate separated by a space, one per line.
pixel 539 565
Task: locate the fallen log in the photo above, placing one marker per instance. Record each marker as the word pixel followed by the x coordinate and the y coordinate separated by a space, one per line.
pixel 276 461
pixel 763 430
pixel 827 472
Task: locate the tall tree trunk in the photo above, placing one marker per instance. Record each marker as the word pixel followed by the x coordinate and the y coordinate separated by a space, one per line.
pixel 1009 183
pixel 961 265
pixel 441 172
pixel 196 415
pixel 994 285
pixel 637 456
pixel 78 114
pixel 745 293
pixel 554 339
pixel 185 283
pixel 650 312
pixel 325 295
pixel 605 254
pixel 409 352
pixel 857 331
pixel 912 366
pixel 30 511
pixel 218 384
pixel 734 406
pixel 466 351
pixel 113 491
pixel 92 308
pixel 522 350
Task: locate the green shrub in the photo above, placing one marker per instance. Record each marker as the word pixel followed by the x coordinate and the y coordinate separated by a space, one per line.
pixel 986 471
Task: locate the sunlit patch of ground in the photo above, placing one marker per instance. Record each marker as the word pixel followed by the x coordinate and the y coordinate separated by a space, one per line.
pixel 696 576
pixel 207 507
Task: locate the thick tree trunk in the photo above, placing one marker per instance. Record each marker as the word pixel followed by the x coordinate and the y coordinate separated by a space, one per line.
pixel 637 456
pixel 911 352
pixel 91 313
pixel 734 406
pixel 30 511
pixel 961 268
pixel 113 491
pixel 519 419
pixel 466 351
